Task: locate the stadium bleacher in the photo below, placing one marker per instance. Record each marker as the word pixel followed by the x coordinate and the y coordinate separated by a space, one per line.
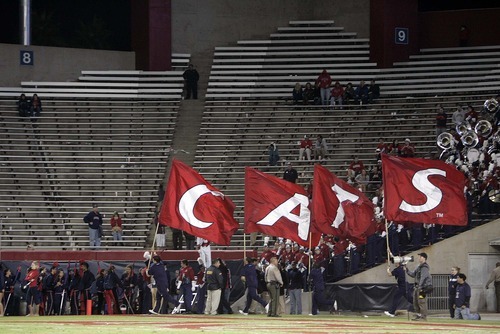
pixel 103 139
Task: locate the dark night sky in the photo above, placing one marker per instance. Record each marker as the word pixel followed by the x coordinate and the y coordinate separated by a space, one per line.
pixel 102 24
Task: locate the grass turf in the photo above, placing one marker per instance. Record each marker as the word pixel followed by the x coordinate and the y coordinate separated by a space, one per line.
pixel 125 324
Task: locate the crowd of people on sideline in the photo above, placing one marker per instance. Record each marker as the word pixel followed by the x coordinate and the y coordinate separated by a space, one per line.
pixel 281 271
pixel 328 93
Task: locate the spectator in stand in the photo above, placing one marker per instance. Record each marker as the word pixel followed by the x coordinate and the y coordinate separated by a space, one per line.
pixel 408 150
pixel 23 106
pixel 337 94
pixel 394 148
pixel 274 154
pixel 462 300
pixel 458 116
pixel 94 220
pixel 320 148
pixel 375 178
pixel 382 147
pixel 36 106
pixel 190 240
pixel 463 36
pixel 362 179
pixel 116 226
pixel 177 238
pixel 373 92
pixel 441 119
pixel 361 93
pixel 471 116
pixel 355 167
pixel 349 94
pixel 317 94
pixel 290 173
pixel 297 94
pixel 324 81
pixel 305 148
pixel 191 78
pixel 308 93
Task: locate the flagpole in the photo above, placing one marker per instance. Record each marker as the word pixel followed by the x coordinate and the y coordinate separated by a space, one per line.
pixel 244 246
pixel 389 255
pixel 153 246
pixel 309 270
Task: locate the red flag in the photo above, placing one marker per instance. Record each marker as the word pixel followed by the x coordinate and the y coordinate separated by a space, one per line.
pixel 193 205
pixel 339 208
pixel 277 207
pixel 423 191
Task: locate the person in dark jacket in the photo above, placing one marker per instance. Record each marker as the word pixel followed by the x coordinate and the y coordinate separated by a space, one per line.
pixel 462 300
pixel 399 275
pixel 214 283
pixel 94 220
pixel 452 289
pixel 99 287
pixel 295 288
pixel 48 289
pixel 110 284
pixel 423 280
pixel 318 287
pixel 249 277
pixel 60 292
pixel 191 78
pixel 23 106
pixel 157 270
pixel 225 288
pixel 129 281
pixel 87 278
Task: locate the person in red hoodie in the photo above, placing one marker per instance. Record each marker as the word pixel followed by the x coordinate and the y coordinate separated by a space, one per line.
pixel 337 94
pixel 324 81
pixel 33 297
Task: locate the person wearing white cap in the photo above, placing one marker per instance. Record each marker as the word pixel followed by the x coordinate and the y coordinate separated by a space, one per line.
pixel 408 151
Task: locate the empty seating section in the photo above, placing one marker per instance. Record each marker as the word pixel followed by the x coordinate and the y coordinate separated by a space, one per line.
pixel 248 102
pixel 103 139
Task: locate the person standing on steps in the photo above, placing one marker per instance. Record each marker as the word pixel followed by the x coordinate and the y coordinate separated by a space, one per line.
pixel 191 78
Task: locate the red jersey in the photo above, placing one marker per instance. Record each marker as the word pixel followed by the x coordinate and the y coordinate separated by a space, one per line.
pixel 267 255
pixel 306 143
pixel 186 273
pixel 32 278
pixel 287 257
pixel 302 258
pixel 357 166
pixel 319 259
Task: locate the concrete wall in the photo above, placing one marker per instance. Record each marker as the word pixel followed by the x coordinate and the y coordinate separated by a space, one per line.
pixel 57 64
pixel 470 251
pixel 200 25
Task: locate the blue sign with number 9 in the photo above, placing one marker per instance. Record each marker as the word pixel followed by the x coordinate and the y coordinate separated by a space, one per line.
pixel 401 35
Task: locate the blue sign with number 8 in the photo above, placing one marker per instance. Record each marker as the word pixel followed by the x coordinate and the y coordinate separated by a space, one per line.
pixel 26 57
